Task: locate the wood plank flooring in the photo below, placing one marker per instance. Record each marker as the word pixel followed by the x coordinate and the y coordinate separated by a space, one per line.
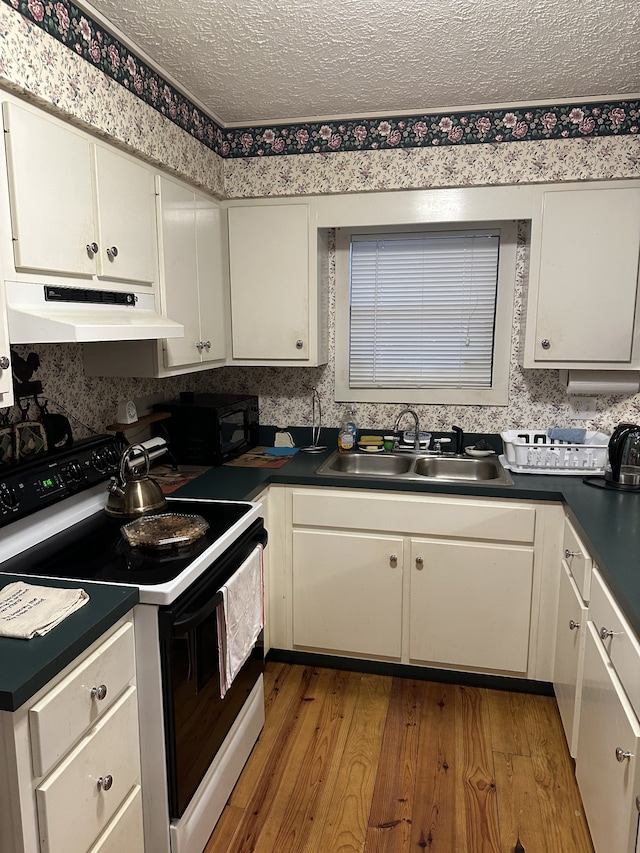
pixel 360 763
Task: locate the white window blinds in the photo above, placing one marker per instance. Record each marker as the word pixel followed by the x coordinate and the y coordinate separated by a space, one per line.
pixel 422 311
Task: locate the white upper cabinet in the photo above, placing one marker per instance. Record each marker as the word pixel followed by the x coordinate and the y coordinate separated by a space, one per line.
pixel 278 306
pixel 78 208
pixel 581 304
pixel 192 274
pixel 125 211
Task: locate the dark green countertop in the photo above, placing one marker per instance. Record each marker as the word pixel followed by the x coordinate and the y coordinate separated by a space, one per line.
pixel 607 520
pixel 27 665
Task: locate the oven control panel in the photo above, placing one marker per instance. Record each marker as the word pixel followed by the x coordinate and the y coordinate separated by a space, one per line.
pixel 42 481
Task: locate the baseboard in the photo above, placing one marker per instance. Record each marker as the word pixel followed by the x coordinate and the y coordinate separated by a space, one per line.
pixel 422 673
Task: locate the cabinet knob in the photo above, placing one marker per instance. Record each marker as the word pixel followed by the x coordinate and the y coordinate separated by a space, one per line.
pixel 92 248
pixel 606 633
pixel 568 554
pixel 573 625
pixel 207 345
pixel 105 783
pixel 393 560
pixel 545 343
pixel 4 362
pixel 622 754
pixel 299 343
pixel 200 346
pixel 112 252
pixel 419 563
pixel 99 692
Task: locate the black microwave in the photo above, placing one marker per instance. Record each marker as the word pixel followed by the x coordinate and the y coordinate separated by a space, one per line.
pixel 209 429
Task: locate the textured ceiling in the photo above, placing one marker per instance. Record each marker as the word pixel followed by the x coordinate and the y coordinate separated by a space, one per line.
pixel 257 61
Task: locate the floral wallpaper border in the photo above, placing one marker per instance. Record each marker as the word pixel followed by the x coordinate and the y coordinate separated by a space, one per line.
pixel 79 32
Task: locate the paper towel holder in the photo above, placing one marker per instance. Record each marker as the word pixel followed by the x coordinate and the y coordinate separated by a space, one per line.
pixel 590 382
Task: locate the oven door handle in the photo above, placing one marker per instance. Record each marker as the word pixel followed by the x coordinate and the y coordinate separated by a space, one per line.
pixel 189 621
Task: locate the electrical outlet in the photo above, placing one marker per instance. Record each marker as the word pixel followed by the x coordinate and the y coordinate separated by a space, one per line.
pixel 582 408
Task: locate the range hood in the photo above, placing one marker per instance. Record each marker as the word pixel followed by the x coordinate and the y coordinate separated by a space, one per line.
pixel 43 313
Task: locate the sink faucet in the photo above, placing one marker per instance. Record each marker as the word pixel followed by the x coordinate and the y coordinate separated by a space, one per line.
pixel 416 443
pixel 459 440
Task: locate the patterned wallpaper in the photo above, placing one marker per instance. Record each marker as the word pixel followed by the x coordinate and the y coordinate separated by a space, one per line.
pixel 35 64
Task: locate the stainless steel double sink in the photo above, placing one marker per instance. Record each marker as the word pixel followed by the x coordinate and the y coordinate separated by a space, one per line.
pixel 418 467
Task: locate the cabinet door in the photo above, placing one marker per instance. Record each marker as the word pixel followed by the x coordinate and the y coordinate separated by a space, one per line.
pixel 470 604
pixel 211 279
pixel 347 593
pixel 588 275
pixel 126 212
pixel 269 269
pixel 124 832
pixel 570 636
pixel 179 270
pixel 608 787
pixel 51 198
pixel 72 809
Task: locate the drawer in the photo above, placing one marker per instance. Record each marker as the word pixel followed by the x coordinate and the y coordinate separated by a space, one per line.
pixel 72 809
pixel 58 720
pixel 620 642
pixel 422 515
pixel 124 831
pixel 577 559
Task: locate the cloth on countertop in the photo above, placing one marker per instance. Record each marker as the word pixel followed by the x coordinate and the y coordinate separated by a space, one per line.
pixel 240 617
pixel 27 610
pixel 280 451
pixel 570 435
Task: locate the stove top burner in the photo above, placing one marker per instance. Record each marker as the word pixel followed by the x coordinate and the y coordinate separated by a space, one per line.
pixel 94 550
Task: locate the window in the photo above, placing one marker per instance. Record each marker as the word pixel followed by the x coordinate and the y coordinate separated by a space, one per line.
pixel 424 316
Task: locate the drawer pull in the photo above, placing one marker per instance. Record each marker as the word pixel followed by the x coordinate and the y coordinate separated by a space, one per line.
pixel 573 625
pixel 105 782
pixel 606 633
pixel 420 563
pixel 393 560
pixel 621 754
pixel 568 554
pixel 99 692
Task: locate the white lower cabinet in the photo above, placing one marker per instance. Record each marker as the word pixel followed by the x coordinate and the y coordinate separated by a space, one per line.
pixel 434 580
pixel 70 757
pixel 608 751
pixel 347 592
pixel 470 604
pixel 608 757
pixel 570 639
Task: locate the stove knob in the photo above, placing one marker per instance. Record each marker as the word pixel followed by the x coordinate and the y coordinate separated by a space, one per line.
pixel 99 462
pixel 8 497
pixel 75 471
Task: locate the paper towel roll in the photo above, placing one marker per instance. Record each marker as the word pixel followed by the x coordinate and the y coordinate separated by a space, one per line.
pixel 600 381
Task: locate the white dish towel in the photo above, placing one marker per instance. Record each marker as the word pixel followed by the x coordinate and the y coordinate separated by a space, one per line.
pixel 27 610
pixel 240 617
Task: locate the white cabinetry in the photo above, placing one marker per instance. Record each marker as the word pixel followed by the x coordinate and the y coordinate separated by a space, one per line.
pixel 450 582
pixel 78 208
pixel 608 754
pixel 278 294
pixel 193 288
pixel 71 758
pixel 581 303
pixel 571 631
pixel 347 592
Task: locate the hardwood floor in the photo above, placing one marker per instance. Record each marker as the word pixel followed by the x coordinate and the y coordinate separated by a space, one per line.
pixel 358 762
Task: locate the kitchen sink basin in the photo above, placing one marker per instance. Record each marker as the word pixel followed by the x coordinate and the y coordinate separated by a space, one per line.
pixel 417 467
pixel 366 463
pixel 459 468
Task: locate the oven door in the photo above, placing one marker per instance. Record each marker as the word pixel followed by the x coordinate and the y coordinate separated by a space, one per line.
pixel 196 719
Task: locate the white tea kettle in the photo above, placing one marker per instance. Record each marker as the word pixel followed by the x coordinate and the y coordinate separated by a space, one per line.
pixel 134 492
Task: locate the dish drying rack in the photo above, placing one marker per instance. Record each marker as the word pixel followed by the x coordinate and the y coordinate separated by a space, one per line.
pixel 533 452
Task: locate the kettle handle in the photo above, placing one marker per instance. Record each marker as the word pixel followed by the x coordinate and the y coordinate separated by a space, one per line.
pixel 125 458
pixel 616 444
